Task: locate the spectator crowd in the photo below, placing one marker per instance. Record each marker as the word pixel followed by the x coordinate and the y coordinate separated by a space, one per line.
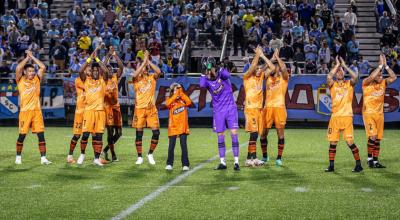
pixel 308 33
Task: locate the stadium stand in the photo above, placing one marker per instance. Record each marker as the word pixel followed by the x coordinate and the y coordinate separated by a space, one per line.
pixel 307 33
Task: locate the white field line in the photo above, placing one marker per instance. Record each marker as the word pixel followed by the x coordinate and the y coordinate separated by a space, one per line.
pixel 131 209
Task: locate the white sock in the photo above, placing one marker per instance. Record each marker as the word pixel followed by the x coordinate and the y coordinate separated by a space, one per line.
pixel 43 157
pixel 236 159
pixel 222 160
pixel 369 158
pixel 18 156
pixel 375 161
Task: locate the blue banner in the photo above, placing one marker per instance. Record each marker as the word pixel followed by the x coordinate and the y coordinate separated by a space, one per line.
pixel 52 101
pixel 307 98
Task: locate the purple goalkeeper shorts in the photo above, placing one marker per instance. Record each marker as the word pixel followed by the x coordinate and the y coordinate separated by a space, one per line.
pixel 225 120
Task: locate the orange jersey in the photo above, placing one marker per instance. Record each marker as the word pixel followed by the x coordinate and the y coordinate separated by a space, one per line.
pixel 276 91
pixel 145 88
pixel 342 98
pixel 374 96
pixel 29 93
pixel 111 98
pixel 178 114
pixel 80 95
pixel 253 86
pixel 95 92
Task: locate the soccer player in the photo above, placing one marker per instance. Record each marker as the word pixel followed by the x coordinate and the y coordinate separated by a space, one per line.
pixel 374 88
pixel 253 84
pixel 178 125
pixel 342 92
pixel 93 116
pixel 78 119
pixel 30 113
pixel 225 113
pixel 146 114
pixel 112 107
pixel 275 110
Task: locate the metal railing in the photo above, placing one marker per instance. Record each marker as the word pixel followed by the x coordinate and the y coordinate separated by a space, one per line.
pixel 225 42
pixel 391 7
pixel 184 49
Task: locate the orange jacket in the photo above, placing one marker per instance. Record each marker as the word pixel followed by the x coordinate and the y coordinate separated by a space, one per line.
pixel 178 114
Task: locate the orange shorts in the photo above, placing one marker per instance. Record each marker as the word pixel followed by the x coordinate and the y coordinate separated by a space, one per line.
pixel 339 124
pixel 78 120
pixel 254 120
pixel 146 118
pixel 31 119
pixel 276 116
pixel 94 121
pixel 374 124
pixel 114 117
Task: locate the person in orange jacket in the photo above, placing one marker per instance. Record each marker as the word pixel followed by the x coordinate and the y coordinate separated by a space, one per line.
pixel 178 125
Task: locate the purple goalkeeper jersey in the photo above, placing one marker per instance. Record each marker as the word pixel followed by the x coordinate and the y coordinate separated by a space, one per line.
pixel 220 90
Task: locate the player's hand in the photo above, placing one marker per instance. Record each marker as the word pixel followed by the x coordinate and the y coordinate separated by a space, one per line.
pixel 337 61
pixel 384 62
pixel 29 53
pixel 94 54
pixel 276 54
pixel 342 63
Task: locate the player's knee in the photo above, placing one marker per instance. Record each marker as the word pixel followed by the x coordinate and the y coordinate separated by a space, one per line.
pixel 85 136
pixel 156 134
pixel 234 132
pixel 263 140
pixel 99 136
pixel 40 136
pixel 351 145
pixel 21 137
pixel 118 133
pixel 371 141
pixel 76 137
pixel 281 141
pixel 139 135
pixel 253 136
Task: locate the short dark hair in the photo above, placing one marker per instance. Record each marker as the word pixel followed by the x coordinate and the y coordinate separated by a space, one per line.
pixel 28 65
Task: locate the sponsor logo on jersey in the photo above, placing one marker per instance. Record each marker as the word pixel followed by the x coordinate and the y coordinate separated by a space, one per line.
pixel 179 110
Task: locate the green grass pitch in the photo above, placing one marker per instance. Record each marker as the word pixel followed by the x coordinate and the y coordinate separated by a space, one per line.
pixel 298 190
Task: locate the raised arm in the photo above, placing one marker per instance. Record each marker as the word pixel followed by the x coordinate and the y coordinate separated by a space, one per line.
pixel 140 69
pixel 374 73
pixel 20 68
pixel 104 69
pixel 225 74
pixel 254 63
pixel 171 100
pixel 157 71
pixel 392 76
pixel 42 67
pixel 329 77
pixel 82 73
pixel 282 66
pixel 269 66
pixel 372 76
pixel 353 75
pixel 203 81
pixel 184 97
pixel 120 65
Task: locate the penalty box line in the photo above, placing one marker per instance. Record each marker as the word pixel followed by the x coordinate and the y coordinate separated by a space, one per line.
pixel 134 207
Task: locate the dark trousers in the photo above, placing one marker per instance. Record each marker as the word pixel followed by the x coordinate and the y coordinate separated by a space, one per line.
pixel 236 43
pixel 39 38
pixel 171 148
